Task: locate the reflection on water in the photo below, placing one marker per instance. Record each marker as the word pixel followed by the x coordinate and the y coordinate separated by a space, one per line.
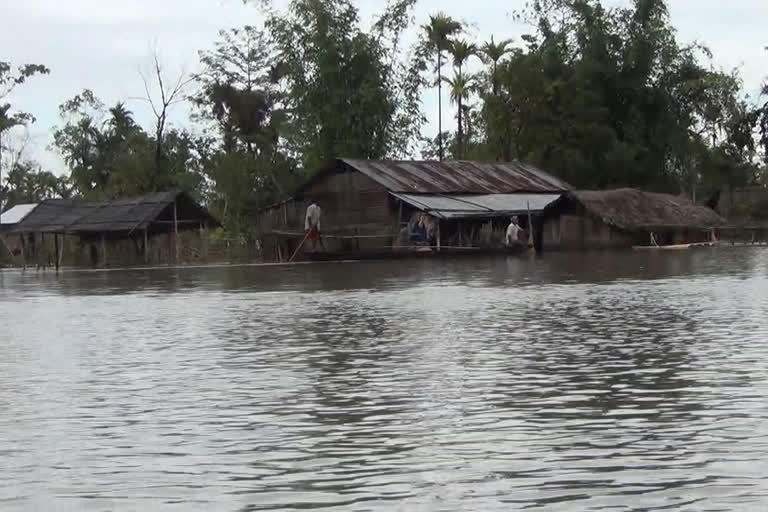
pixel 612 381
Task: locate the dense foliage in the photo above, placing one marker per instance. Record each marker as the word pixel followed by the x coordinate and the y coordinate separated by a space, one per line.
pixel 601 96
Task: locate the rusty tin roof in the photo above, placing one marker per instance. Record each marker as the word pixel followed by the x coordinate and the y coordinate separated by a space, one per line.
pixel 457 177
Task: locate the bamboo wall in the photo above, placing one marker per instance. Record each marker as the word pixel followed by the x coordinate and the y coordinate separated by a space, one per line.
pixel 357 214
pixel 194 247
pixel 570 231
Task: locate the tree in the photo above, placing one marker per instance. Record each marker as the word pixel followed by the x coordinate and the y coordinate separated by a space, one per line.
pixel 9 80
pixel 494 52
pixel 607 97
pixel 167 95
pixel 462 50
pixel 461 85
pixel 240 95
pixel 109 155
pixel 438 33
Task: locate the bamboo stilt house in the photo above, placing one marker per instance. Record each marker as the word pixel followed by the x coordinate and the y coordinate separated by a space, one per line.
pixel 625 218
pixel 370 206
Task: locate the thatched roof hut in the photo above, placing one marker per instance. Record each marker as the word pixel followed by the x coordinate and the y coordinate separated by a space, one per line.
pixel 636 210
pixel 623 218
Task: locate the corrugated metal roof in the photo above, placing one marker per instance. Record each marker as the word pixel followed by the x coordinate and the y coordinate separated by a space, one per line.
pixel 487 205
pixel 16 214
pixel 457 177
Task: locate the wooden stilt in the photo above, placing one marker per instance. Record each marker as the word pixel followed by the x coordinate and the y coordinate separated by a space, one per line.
pixel 146 246
pixel 530 226
pixel 7 248
pixel 438 235
pixel 203 243
pixel 56 249
pixel 61 253
pixel 399 225
pixel 103 251
pixel 23 251
pixel 175 233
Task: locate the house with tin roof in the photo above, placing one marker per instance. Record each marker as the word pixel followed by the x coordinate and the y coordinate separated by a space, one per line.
pixel 370 207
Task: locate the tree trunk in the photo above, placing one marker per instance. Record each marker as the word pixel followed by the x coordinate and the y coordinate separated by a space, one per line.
pixel 440 104
pixel 460 132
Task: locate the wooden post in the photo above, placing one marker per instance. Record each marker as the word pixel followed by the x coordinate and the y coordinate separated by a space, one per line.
pixel 61 253
pixel 530 225
pixel 399 223
pixel 438 235
pixel 203 243
pixel 38 250
pixel 23 251
pixel 146 246
pixel 175 233
pixel 56 249
pixel 103 250
pixel 5 244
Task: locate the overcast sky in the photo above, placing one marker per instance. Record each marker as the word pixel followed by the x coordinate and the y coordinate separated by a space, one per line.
pixel 102 44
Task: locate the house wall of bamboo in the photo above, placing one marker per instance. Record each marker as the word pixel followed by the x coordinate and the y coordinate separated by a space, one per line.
pixel 579 232
pixel 357 214
pixel 194 247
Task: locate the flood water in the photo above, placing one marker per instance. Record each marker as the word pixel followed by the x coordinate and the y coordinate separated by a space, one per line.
pixel 597 382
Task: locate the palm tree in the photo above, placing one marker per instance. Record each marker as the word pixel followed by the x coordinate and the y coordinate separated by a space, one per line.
pixel 494 52
pixel 462 50
pixel 121 120
pixel 461 86
pixel 438 32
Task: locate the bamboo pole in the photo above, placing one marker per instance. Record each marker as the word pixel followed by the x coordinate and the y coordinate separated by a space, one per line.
pixel 298 248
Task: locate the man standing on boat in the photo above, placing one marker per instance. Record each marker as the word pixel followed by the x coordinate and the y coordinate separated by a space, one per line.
pixel 312 225
pixel 514 234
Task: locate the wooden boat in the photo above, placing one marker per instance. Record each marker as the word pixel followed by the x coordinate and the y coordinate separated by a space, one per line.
pixel 411 252
pixel 675 247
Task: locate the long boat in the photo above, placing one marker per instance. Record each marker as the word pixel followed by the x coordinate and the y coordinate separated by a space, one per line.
pixel 411 252
pixel 675 247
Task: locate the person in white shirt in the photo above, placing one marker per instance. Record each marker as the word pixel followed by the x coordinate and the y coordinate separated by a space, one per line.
pixel 513 234
pixel 312 225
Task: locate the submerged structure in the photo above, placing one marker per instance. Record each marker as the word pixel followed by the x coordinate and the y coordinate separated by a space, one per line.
pixel 622 218
pixel 370 207
pixel 144 229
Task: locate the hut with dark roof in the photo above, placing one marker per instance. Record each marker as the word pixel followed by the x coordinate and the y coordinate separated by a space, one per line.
pixel 622 218
pixel 119 223
pixel 369 205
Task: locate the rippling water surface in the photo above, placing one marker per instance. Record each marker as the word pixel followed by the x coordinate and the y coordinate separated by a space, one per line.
pixel 575 382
